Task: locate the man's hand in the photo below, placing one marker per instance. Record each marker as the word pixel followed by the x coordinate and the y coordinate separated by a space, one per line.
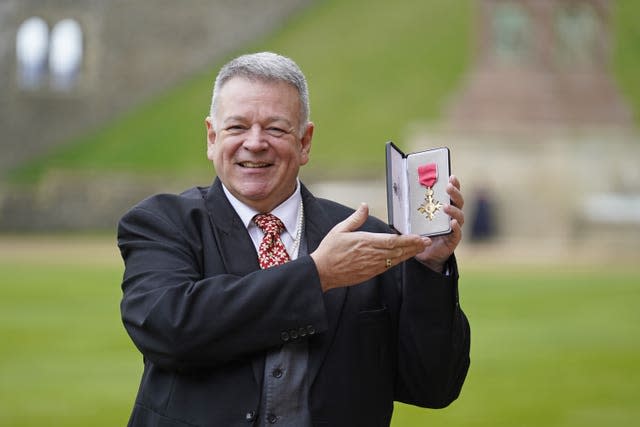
pixel 346 257
pixel 441 248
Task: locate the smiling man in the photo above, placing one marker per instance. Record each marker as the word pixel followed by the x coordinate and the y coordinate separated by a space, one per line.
pixel 255 142
pixel 255 303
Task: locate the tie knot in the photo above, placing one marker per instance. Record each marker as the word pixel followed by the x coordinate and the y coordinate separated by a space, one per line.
pixel 269 223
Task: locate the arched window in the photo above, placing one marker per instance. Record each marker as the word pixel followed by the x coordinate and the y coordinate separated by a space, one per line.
pixel 578 35
pixel 511 33
pixel 32 44
pixel 65 54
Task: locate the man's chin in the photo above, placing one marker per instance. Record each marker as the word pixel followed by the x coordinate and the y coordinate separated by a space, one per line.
pixel 253 194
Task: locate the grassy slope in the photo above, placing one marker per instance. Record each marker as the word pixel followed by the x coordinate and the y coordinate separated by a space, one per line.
pixel 372 66
pixel 626 53
pixel 550 347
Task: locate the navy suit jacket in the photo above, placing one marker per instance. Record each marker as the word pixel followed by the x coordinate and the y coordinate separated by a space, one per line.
pixel 202 313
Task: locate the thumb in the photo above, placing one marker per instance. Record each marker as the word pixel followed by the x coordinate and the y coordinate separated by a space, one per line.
pixel 355 220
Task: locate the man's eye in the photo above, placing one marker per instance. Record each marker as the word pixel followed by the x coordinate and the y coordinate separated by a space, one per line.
pixel 235 128
pixel 275 131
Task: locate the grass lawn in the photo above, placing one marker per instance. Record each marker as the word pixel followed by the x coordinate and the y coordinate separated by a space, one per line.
pixel 551 346
pixel 65 360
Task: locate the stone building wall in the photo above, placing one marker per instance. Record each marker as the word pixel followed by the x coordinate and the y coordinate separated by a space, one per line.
pixel 132 49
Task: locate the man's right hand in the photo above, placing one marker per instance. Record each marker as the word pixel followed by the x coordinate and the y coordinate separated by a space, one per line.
pixel 347 257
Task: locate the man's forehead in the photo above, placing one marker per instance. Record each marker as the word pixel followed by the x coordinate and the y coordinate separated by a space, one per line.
pixel 247 81
pixel 239 96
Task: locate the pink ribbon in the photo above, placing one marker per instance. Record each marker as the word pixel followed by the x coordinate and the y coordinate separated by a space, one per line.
pixel 428 174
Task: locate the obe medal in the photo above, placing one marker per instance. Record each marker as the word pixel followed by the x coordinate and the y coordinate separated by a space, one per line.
pixel 428 175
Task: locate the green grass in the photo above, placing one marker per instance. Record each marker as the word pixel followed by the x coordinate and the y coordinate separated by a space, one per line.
pixel 373 66
pixel 65 360
pixel 551 346
pixel 626 52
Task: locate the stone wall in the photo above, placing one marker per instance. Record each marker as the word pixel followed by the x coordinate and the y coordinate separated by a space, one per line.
pixel 132 50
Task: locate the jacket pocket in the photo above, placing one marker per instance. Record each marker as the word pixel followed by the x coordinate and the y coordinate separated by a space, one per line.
pixel 145 417
pixel 374 336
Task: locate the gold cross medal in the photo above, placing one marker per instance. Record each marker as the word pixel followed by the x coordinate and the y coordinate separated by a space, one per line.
pixel 428 175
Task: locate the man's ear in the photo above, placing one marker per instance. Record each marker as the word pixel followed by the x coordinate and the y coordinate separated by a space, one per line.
pixel 211 137
pixel 305 143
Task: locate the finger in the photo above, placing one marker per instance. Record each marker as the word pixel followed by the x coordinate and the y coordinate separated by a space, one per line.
pixel 456 232
pixel 455 181
pixel 455 213
pixel 402 254
pixel 411 248
pixel 455 195
pixel 415 244
pixel 393 242
pixel 405 253
pixel 355 220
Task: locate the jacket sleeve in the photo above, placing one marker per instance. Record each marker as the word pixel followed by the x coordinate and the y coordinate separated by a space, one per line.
pixel 433 337
pixel 179 319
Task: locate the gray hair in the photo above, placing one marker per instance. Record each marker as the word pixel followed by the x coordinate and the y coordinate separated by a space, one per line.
pixel 267 67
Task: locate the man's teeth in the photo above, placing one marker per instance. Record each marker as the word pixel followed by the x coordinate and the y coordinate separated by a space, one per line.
pixel 253 165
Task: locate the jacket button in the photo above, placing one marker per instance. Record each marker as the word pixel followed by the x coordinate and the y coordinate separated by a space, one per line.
pixel 284 335
pixel 277 373
pixel 272 418
pixel 293 334
pixel 311 330
pixel 302 332
pixel 250 416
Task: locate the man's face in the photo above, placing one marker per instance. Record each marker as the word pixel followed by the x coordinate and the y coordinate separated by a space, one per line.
pixel 256 145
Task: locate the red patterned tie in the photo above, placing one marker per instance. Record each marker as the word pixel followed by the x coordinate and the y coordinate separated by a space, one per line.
pixel 271 251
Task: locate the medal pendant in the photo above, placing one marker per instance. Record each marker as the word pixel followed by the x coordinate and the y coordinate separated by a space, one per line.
pixel 429 207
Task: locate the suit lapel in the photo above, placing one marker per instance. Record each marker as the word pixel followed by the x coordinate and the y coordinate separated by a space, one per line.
pixel 234 243
pixel 317 225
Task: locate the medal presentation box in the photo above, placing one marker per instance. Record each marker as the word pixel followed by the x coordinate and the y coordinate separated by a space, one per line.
pixel 416 190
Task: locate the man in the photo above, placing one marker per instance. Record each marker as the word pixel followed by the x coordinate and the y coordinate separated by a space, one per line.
pixel 323 319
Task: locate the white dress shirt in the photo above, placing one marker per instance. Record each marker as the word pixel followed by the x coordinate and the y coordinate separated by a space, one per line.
pixel 286 211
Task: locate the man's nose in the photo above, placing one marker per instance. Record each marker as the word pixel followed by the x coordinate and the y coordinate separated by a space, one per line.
pixel 255 139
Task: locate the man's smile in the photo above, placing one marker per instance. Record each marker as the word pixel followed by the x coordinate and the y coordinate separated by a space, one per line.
pixel 254 165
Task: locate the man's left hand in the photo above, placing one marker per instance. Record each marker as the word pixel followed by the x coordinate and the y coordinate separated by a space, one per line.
pixel 436 255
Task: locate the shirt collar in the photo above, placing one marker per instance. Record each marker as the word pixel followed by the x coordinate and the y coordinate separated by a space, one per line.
pixel 286 211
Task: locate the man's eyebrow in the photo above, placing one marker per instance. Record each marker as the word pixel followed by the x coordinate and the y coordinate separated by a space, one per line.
pixel 233 118
pixel 271 119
